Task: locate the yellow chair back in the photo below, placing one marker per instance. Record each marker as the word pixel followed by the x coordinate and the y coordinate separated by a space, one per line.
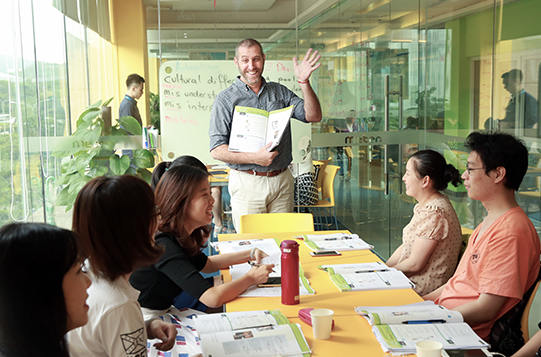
pixel 532 313
pixel 327 183
pixel 276 222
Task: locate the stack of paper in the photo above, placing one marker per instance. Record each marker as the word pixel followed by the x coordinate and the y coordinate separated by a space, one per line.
pixel 187 339
pixel 367 276
pixel 269 246
pixel 250 333
pixel 335 241
pixel 421 312
pixel 398 328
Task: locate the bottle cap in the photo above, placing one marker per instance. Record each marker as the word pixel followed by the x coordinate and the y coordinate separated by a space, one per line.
pixel 288 246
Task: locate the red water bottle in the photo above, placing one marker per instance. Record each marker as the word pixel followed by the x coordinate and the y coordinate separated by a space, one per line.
pixel 290 272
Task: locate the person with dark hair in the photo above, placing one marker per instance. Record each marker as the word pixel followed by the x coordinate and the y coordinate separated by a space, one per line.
pixel 521 111
pixel 501 260
pixel 215 191
pixel 350 126
pixel 115 220
pixel 259 182
pixel 135 86
pixel 163 166
pixel 47 290
pixel 185 209
pixel 432 239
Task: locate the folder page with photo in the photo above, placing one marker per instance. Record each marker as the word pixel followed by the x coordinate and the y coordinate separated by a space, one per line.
pixel 335 241
pixel 253 128
pixel 411 313
pixel 399 328
pixel 271 248
pixel 355 267
pixel 250 333
pixel 374 280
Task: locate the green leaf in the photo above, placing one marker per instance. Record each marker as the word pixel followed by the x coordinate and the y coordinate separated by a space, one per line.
pixel 106 103
pixel 90 133
pixel 143 158
pixel 145 175
pixel 77 182
pixel 88 116
pixel 130 124
pixel 96 105
pixel 131 171
pixel 75 164
pixel 119 165
pixel 98 171
pixel 65 198
pixel 115 131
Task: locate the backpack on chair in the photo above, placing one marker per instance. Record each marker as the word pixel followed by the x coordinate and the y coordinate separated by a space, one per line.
pixel 506 335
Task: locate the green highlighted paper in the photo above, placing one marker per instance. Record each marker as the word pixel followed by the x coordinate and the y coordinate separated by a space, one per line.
pixel 254 333
pixel 254 128
pixel 399 328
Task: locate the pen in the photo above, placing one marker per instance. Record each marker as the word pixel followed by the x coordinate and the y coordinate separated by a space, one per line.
pixel 257 265
pixel 413 322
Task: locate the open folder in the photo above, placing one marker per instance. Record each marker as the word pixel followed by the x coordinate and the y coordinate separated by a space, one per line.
pixel 254 128
pixel 399 328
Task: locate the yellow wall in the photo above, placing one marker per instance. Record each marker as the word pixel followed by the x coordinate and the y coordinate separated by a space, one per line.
pixel 128 36
pixel 153 74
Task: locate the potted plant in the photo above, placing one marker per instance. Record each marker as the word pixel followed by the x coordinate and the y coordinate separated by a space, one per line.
pixel 91 153
pixel 155 111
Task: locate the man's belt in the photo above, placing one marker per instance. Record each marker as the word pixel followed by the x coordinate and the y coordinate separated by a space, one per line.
pixel 264 173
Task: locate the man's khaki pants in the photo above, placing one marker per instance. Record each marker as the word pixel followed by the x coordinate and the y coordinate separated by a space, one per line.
pixel 259 194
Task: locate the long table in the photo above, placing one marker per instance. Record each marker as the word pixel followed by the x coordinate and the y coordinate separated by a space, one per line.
pixel 352 335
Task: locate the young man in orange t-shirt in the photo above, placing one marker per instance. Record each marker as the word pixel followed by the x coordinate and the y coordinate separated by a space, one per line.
pixel 502 258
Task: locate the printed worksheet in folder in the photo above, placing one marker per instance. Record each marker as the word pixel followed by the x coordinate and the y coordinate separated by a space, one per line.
pixel 364 279
pixel 269 246
pixel 335 241
pixel 250 333
pixel 253 128
pixel 398 328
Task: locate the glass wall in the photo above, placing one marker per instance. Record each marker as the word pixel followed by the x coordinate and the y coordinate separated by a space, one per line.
pixel 395 76
pixel 47 60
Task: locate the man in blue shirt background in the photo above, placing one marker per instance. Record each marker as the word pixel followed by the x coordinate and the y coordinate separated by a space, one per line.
pixel 135 85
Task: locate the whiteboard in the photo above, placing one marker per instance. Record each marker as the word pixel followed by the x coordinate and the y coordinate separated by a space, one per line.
pixel 187 92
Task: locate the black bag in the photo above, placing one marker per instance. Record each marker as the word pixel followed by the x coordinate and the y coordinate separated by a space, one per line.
pixel 506 335
pixel 306 190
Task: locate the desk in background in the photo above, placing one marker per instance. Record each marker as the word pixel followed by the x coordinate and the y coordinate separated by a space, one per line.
pixel 221 176
pixel 352 334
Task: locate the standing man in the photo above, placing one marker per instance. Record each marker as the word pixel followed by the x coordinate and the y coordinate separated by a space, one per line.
pixel 259 182
pixel 135 85
pixel 501 260
pixel 521 111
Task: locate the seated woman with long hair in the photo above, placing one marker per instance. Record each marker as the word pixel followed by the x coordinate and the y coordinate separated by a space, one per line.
pixel 43 289
pixel 185 210
pixel 216 191
pixel 115 220
pixel 431 241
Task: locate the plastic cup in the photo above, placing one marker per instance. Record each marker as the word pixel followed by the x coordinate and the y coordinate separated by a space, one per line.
pixel 321 323
pixel 428 348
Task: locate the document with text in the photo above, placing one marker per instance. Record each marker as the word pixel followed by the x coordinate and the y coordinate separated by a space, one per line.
pixel 253 128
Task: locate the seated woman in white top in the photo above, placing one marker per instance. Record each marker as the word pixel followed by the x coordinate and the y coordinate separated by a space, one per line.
pixel 43 289
pixel 431 241
pixel 115 219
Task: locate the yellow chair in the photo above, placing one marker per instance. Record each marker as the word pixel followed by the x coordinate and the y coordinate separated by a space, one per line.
pixel 276 222
pixel 327 174
pixel 532 313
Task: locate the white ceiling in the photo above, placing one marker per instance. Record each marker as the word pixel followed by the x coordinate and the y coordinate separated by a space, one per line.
pixel 197 26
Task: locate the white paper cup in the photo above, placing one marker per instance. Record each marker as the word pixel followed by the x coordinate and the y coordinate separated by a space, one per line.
pixel 428 348
pixel 321 323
